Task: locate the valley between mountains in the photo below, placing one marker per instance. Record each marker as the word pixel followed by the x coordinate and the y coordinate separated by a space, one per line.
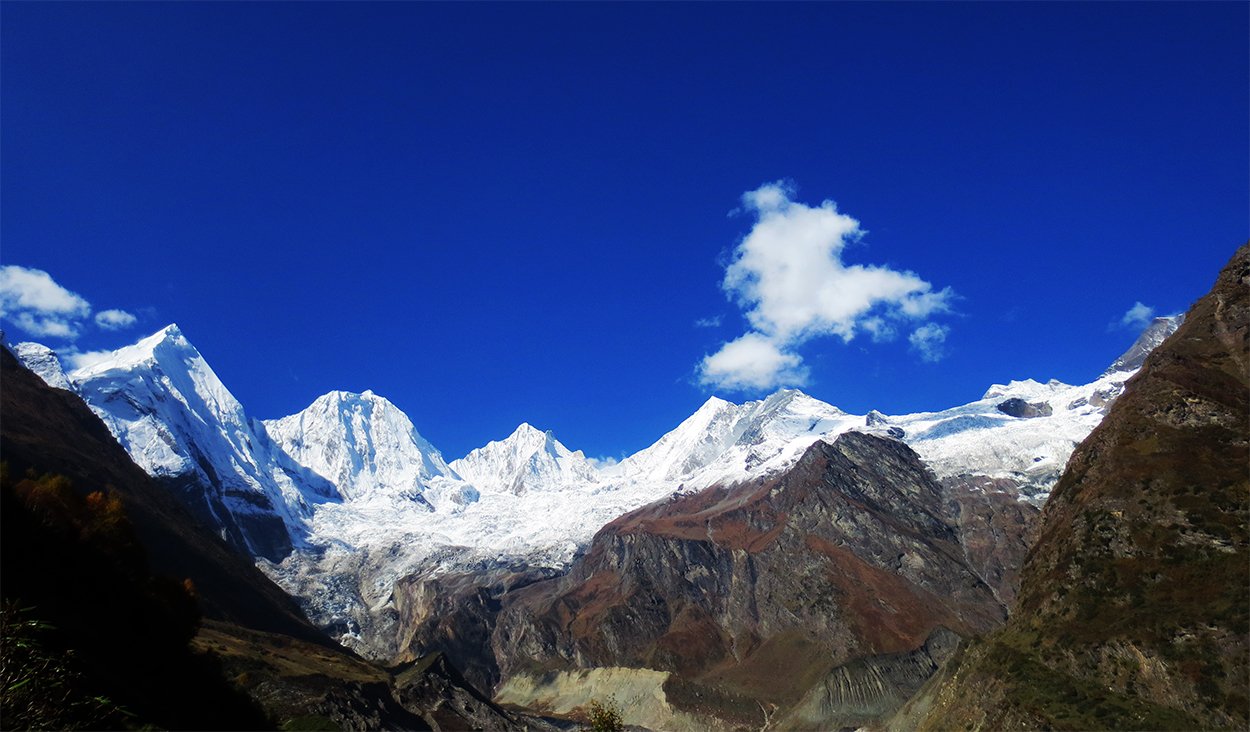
pixel 775 564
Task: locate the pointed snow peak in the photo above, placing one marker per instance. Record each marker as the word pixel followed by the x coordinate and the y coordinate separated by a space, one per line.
pixel 171 331
pixel 524 430
pixel 714 403
pixel 1150 338
pixel 169 338
pixel 787 401
pixel 167 346
pixel 875 418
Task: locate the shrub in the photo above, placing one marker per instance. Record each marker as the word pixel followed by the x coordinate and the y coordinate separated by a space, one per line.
pixel 606 717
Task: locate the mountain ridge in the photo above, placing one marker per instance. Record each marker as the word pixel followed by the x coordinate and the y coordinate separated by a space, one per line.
pixel 344 498
pixel 1134 610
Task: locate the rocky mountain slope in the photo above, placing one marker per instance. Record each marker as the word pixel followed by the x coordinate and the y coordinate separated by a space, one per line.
pixel 1134 606
pixel 821 595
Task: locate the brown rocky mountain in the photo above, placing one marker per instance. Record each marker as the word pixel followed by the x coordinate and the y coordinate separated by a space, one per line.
pixel 995 528
pixel 253 632
pixel 820 598
pixel 1134 605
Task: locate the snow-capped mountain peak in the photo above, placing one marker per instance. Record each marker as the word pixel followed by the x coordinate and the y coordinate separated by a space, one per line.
pixel 723 441
pixel 44 362
pixel 1150 338
pixel 363 444
pixel 528 459
pixel 179 422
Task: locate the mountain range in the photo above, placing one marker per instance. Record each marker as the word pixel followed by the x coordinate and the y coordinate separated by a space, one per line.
pixel 778 562
pixel 340 500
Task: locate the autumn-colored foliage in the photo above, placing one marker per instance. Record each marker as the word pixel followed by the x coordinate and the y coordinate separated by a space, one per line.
pixel 104 642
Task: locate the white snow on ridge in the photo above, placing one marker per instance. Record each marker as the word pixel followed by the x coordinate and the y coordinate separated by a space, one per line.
pixel 367 448
pixel 166 406
pixel 527 460
pixel 44 362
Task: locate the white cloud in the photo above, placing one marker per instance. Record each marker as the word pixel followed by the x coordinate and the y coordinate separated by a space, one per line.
pixel 38 305
pixel 712 322
pixel 82 359
pixel 1138 316
pixel 599 463
pixel 788 276
pixel 114 319
pixel 752 362
pixel 31 300
pixel 929 340
pixel 879 329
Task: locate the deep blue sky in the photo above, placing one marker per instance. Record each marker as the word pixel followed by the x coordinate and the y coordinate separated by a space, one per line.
pixel 497 213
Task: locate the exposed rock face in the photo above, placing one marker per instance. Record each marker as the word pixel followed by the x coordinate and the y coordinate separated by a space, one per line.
pixel 307 687
pixel 755 595
pixel 870 688
pixel 1025 410
pixel 1134 609
pixel 455 614
pixel 995 527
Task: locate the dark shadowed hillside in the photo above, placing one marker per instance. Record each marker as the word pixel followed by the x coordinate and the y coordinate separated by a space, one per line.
pixel 105 582
pixel 1134 605
pixel 51 430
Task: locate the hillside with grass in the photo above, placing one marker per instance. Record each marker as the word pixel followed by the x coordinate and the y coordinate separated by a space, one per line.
pixel 1134 605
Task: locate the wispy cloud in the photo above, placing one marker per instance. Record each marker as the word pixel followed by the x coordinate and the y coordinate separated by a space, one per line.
pixel 712 322
pixel 114 319
pixel 788 277
pixel 1137 317
pixel 34 302
pixel 929 340
pixel 600 463
pixel 82 359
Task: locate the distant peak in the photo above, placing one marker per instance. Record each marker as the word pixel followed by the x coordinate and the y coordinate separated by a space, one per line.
pixel 714 404
pixel 784 396
pixel 344 399
pixel 525 429
pixel 167 346
pixel 1149 339
pixel 169 336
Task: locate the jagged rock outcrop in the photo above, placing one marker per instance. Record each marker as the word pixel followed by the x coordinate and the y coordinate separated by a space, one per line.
pixel 455 614
pixel 1134 607
pixel 1017 407
pixel 753 596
